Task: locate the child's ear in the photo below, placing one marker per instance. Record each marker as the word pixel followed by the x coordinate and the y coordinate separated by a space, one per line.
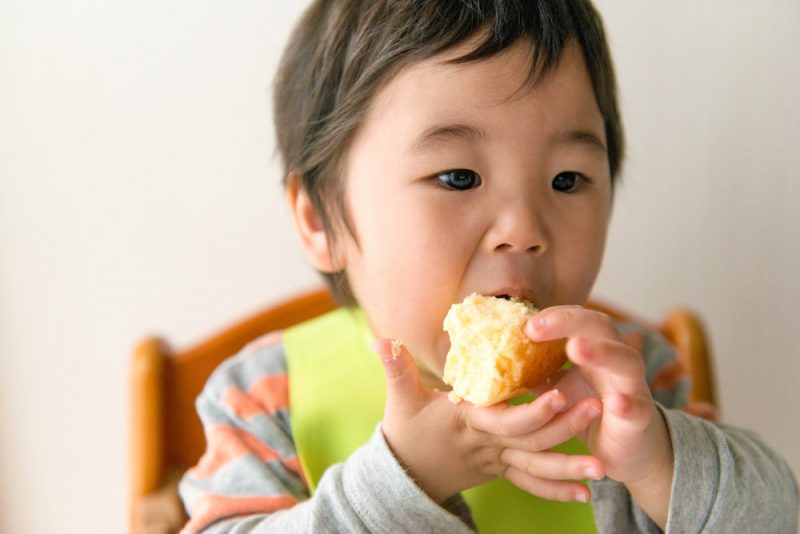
pixel 308 223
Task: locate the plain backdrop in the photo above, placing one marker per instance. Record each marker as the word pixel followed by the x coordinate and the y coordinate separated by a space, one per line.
pixel 139 194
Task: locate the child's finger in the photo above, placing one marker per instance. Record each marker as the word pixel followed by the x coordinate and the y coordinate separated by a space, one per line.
pixel 571 383
pixel 555 490
pixel 629 415
pixel 611 366
pixel 404 391
pixel 563 427
pixel 505 420
pixel 559 322
pixel 550 383
pixel 554 465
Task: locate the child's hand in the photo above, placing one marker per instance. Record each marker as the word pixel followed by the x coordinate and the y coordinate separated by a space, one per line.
pixel 631 438
pixel 450 447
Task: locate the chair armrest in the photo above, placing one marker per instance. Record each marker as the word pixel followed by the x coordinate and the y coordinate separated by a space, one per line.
pixel 160 512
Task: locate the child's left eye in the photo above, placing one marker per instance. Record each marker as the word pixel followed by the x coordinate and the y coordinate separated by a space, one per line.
pixel 567 181
pixel 459 179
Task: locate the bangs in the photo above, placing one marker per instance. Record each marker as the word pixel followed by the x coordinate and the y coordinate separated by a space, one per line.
pixel 498 25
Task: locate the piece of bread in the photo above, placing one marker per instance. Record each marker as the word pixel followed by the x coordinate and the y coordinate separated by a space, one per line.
pixel 490 358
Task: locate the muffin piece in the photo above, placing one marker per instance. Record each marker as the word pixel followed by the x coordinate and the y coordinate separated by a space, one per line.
pixel 490 358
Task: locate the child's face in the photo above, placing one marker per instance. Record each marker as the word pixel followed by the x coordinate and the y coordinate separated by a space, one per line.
pixel 459 181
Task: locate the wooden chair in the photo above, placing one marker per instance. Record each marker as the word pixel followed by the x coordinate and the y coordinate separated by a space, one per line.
pixel 166 436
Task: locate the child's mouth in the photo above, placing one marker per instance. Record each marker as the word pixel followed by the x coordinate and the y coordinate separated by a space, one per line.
pixel 512 292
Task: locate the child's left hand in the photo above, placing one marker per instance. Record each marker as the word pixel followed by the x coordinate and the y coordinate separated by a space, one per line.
pixel 631 437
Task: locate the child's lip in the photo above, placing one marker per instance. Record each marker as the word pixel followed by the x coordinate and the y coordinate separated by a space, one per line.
pixel 514 291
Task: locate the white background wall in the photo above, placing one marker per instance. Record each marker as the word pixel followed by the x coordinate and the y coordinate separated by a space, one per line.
pixel 139 194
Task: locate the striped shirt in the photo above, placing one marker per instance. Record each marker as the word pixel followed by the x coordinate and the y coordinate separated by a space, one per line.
pixel 250 479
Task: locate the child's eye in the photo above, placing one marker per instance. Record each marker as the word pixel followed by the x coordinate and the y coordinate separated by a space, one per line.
pixel 459 179
pixel 567 181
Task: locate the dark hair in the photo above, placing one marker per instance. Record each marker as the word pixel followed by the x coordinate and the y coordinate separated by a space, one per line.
pixel 343 51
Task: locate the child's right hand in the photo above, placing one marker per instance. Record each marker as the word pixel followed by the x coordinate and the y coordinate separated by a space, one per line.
pixel 447 448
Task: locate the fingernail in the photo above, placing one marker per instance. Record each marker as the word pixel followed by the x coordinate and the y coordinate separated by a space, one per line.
pixel 557 401
pixel 592 473
pixel 539 321
pixel 593 411
pixel 581 497
pixel 581 345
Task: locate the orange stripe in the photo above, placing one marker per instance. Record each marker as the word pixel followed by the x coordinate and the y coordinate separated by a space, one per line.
pixel 669 375
pixel 211 508
pixel 267 395
pixel 225 444
pixel 240 403
pixel 271 392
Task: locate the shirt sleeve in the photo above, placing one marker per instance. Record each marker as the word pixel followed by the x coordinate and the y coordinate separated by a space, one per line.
pixel 250 480
pixel 725 478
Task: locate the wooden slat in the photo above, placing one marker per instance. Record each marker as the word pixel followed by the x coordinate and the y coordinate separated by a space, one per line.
pixel 146 433
pixel 686 332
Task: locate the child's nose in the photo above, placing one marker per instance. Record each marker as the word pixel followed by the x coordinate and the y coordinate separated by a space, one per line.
pixel 518 228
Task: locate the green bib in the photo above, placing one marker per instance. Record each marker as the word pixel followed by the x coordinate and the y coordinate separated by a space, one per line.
pixel 337 393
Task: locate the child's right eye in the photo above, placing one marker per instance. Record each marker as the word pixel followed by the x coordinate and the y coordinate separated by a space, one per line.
pixel 459 179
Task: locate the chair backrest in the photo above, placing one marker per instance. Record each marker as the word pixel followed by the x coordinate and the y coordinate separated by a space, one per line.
pixel 166 436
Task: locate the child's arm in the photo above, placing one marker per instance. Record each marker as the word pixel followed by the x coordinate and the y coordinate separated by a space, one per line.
pixel 250 479
pixel 711 478
pixel 728 480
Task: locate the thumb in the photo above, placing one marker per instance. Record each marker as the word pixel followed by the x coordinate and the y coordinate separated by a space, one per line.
pixel 403 388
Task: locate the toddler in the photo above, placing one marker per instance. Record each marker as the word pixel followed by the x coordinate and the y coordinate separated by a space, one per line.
pixel 432 149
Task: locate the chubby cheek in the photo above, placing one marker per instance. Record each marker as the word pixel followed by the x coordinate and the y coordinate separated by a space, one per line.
pixel 407 317
pixel 408 266
pixel 578 270
pixel 406 289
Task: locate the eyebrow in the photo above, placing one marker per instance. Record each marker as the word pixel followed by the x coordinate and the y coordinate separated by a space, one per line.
pixel 444 134
pixel 582 137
